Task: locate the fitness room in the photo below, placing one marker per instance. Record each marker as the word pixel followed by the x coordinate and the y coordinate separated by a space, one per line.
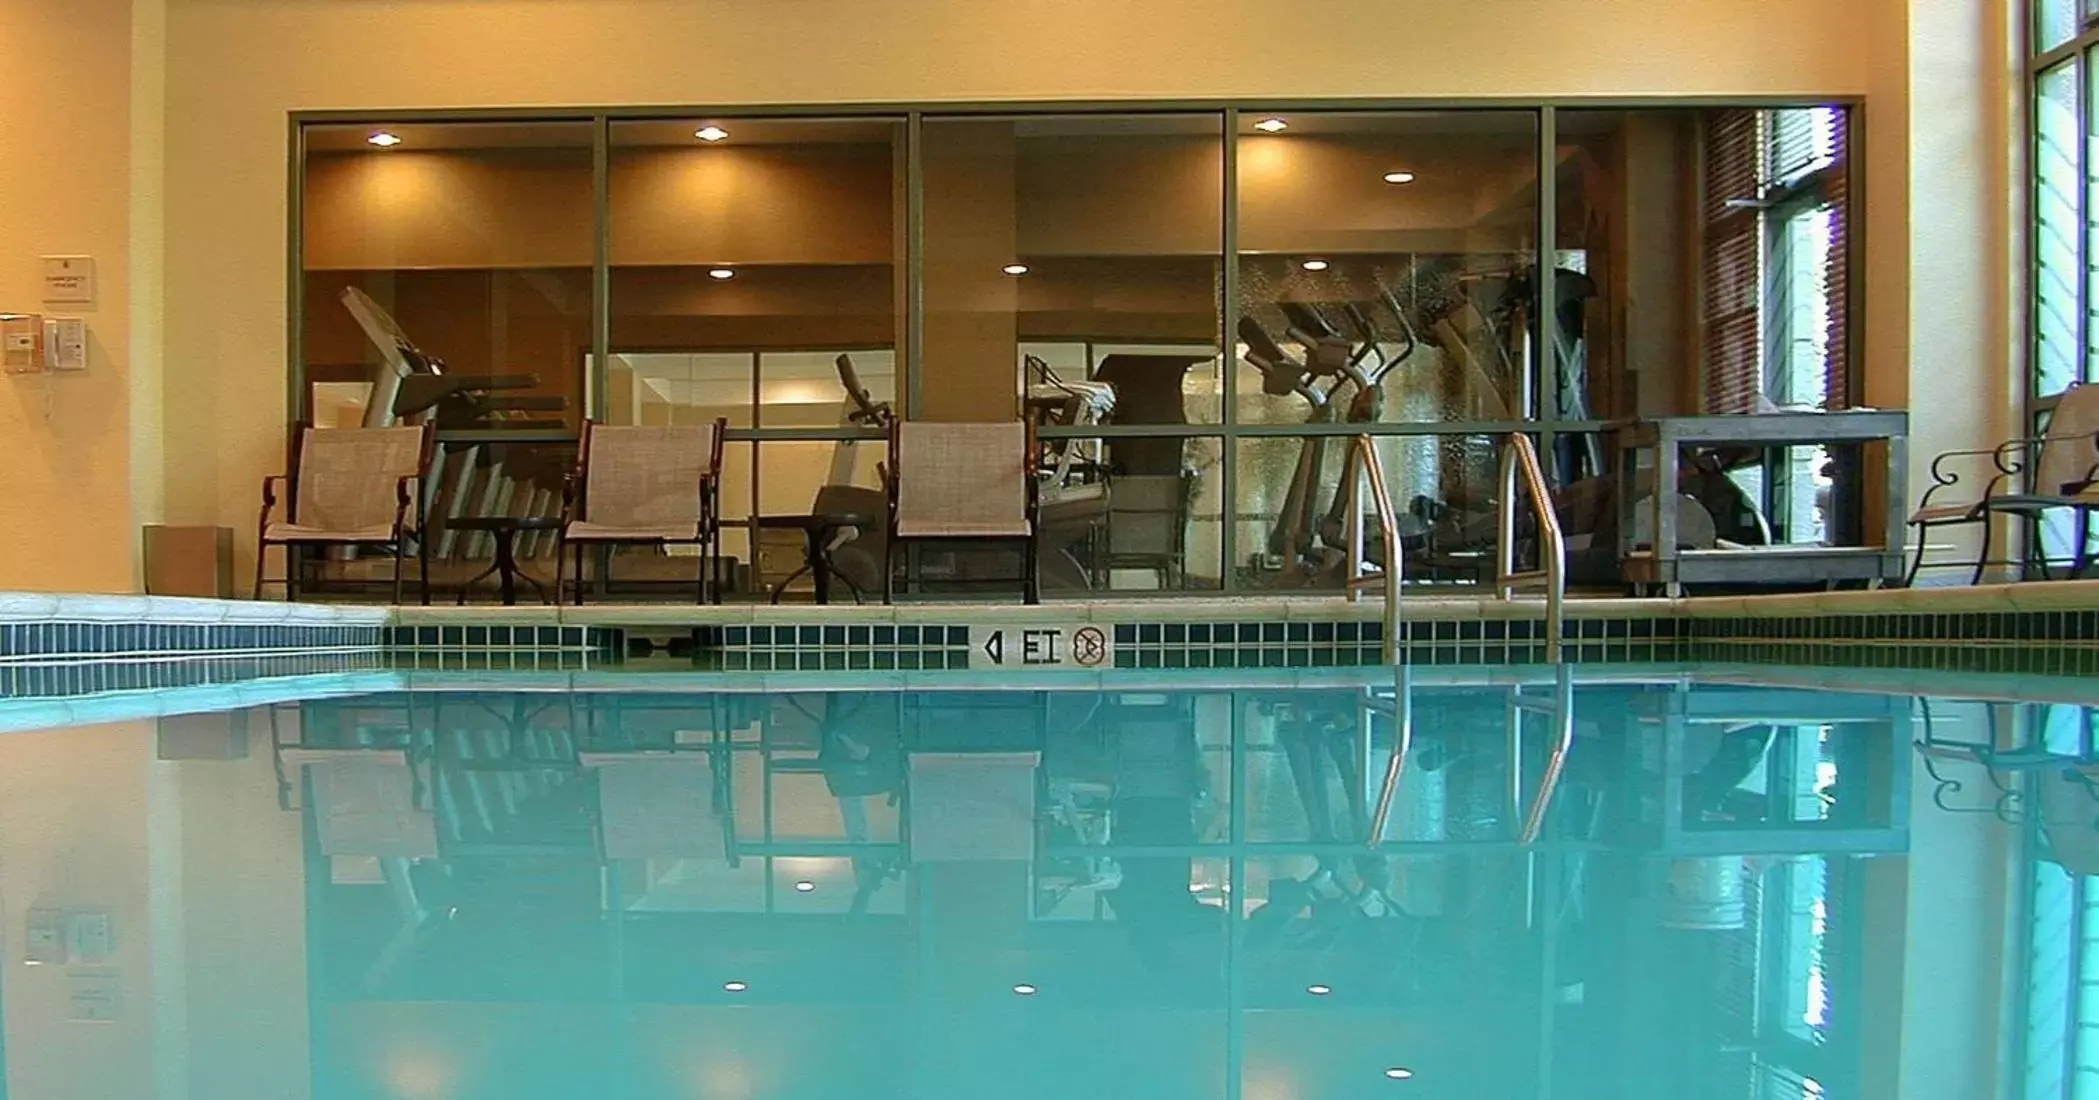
pixel 1234 348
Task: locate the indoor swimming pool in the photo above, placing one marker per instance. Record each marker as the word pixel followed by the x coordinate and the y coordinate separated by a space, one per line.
pixel 1585 883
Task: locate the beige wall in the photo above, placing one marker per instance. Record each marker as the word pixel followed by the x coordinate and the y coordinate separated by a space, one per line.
pixel 208 424
pixel 226 136
pixel 1941 920
pixel 62 850
pixel 240 868
pixel 1941 215
pixel 205 426
pixel 64 175
pixel 200 873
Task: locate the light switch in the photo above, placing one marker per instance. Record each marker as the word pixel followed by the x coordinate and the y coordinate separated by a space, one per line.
pixel 45 941
pixel 65 343
pixel 21 343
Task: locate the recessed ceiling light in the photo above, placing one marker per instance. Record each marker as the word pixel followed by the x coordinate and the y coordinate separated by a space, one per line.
pixel 1024 989
pixel 383 140
pixel 710 133
pixel 721 273
pixel 1319 990
pixel 1315 265
pixel 1399 1073
pixel 734 987
pixel 1271 126
pixel 1015 269
pixel 1399 177
pixel 804 886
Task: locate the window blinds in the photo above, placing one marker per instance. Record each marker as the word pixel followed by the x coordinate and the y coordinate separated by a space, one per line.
pixel 1732 260
pixel 1759 168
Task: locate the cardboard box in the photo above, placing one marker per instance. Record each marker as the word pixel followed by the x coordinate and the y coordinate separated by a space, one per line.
pixel 189 561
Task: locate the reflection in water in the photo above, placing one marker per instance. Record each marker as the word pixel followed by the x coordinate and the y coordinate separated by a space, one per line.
pixel 1598 890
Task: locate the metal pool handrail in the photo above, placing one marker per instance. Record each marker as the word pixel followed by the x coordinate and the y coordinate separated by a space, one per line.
pixel 1520 456
pixel 1402 743
pixel 1365 463
pixel 1562 742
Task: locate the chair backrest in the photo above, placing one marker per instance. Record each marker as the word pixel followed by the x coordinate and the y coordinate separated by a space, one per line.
pixel 647 476
pixel 2068 454
pixel 962 478
pixel 348 478
pixel 1147 513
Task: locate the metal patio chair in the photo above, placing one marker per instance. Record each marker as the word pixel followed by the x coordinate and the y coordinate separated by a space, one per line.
pixel 2064 462
pixel 648 486
pixel 963 482
pixel 347 488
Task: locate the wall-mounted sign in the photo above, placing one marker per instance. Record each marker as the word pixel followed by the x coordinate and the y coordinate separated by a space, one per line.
pixel 69 279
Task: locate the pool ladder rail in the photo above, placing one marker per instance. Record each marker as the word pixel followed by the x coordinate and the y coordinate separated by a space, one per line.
pixel 1364 466
pixel 1555 708
pixel 1519 459
pixel 1519 462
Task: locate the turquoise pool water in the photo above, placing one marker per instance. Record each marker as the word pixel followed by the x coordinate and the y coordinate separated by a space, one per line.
pixel 1502 883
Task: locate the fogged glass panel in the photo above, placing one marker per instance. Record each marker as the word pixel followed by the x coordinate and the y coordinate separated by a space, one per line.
pixel 2056 185
pixel 1101 231
pixel 756 238
pixel 447 273
pixel 1293 519
pixel 1385 266
pixel 2055 22
pixel 2091 227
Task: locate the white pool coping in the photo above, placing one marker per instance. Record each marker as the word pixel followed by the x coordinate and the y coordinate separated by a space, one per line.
pixel 82 607
pixel 45 607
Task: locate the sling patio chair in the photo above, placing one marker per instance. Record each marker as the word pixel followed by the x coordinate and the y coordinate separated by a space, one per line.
pixel 963 482
pixel 2064 461
pixel 652 486
pixel 355 488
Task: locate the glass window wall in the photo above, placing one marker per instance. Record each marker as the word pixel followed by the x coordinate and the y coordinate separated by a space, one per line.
pixel 2062 236
pixel 461 249
pixel 1373 272
pixel 1384 272
pixel 1719 236
pixel 753 268
pixel 446 275
pixel 1052 243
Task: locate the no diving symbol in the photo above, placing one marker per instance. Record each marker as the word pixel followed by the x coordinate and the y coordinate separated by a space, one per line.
pixel 1089 646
